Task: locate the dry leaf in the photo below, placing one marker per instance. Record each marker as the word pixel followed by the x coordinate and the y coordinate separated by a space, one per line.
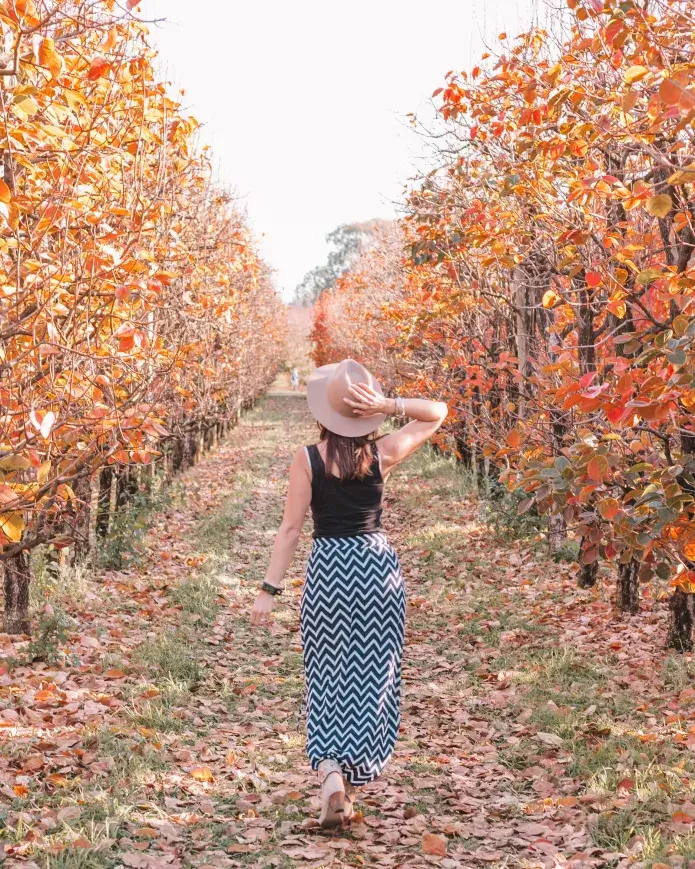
pixel 434 844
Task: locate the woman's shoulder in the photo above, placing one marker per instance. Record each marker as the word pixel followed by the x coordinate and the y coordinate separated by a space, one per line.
pixel 309 453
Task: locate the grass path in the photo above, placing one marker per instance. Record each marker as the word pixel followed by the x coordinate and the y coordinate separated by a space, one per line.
pixel 539 728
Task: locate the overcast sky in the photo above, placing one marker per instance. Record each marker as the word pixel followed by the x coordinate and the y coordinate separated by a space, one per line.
pixel 304 102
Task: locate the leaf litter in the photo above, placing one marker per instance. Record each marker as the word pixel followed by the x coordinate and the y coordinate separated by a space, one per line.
pixel 541 728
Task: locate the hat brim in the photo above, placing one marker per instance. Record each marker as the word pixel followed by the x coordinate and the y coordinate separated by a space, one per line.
pixel 320 409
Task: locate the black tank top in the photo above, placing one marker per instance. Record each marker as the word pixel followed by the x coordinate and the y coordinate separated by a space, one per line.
pixel 348 507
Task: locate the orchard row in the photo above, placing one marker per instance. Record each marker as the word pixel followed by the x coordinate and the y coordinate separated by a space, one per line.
pixel 136 316
pixel 547 286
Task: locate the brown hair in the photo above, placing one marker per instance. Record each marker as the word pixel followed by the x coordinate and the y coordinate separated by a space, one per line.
pixel 353 456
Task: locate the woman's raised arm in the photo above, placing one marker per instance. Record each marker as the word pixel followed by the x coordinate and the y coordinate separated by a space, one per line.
pixel 426 417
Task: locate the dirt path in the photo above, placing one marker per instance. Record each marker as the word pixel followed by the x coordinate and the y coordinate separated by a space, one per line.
pixel 539 730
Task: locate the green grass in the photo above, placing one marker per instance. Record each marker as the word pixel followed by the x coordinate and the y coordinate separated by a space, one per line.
pixel 78 858
pixel 198 596
pixel 173 655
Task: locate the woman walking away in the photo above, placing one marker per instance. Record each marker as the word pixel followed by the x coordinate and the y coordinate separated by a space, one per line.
pixel 353 603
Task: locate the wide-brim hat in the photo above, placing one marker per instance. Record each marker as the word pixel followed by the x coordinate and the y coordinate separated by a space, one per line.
pixel 326 390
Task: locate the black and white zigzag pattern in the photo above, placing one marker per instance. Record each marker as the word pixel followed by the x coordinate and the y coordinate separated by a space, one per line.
pixel 352 621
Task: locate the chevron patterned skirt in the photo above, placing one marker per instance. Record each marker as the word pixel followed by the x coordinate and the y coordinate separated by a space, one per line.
pixel 352 623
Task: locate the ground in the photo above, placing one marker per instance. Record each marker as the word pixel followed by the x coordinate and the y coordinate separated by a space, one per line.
pixel 149 726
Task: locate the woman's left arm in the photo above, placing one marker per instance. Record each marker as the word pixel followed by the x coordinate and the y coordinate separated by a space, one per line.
pixel 296 506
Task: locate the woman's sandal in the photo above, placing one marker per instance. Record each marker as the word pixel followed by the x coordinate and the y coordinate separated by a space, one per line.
pixel 333 806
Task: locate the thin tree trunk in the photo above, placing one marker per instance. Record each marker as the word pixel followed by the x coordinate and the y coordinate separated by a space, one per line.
pixel 104 508
pixel 83 490
pixel 127 486
pixel 94 492
pixel 680 629
pixel 465 455
pixel 627 597
pixel 189 447
pixel 588 574
pixel 521 301
pixel 16 585
pixel 177 455
pixel 557 532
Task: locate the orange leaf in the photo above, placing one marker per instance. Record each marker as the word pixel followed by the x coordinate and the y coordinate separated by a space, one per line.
pixel 49 57
pixel 202 773
pixel 670 92
pixel 609 508
pixel 682 818
pixel 57 780
pixel 434 844
pixel 597 468
pixel 593 279
pixel 514 438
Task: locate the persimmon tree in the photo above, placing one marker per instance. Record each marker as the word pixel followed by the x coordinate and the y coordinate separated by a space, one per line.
pixel 550 282
pixel 133 304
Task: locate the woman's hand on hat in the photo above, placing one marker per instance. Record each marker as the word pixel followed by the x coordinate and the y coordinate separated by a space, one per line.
pixel 366 401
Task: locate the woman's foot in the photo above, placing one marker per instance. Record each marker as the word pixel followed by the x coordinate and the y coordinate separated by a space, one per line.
pixel 333 802
pixel 349 802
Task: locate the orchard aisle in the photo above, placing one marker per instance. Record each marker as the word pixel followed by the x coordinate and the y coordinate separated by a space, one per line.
pixel 168 737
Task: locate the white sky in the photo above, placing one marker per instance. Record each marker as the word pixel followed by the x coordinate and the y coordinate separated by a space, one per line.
pixel 304 102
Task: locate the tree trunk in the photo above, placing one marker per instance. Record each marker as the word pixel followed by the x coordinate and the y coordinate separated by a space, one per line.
pixel 680 629
pixel 519 285
pixel 83 490
pixel 17 579
pixel 177 452
pixel 628 587
pixel 463 448
pixel 127 486
pixel 104 508
pixel 557 532
pixel 588 574
pixel 189 445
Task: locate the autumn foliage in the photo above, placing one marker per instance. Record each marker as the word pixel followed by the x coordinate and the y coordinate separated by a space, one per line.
pixel 134 307
pixel 547 282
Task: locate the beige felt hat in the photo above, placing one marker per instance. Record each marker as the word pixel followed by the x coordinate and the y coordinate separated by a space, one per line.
pixel 326 390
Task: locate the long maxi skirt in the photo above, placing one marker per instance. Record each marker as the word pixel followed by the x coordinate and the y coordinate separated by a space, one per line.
pixel 352 623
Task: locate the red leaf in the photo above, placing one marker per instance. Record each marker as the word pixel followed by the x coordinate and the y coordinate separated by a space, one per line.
pixel 97 68
pixel 593 279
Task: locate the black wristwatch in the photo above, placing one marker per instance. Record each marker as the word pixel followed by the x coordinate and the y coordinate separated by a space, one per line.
pixel 271 589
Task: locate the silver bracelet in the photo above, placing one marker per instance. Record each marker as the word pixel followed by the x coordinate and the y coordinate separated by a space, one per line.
pixel 400 406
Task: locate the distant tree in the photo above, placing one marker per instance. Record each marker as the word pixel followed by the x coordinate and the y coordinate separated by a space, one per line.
pixel 348 241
